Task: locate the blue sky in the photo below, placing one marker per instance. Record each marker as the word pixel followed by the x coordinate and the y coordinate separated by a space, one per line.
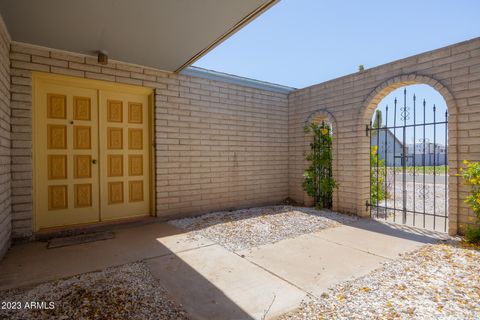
pixel 300 43
pixel 303 42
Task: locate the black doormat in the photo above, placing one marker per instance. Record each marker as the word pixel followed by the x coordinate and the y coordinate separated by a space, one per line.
pixel 80 238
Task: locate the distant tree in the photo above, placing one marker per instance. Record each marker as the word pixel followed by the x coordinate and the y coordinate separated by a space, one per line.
pixel 377 122
pixel 361 68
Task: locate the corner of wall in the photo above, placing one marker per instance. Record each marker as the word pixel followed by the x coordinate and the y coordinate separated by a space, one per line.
pixel 5 141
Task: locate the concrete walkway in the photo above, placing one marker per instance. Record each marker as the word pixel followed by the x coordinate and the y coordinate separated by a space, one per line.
pixel 214 283
pixel 32 263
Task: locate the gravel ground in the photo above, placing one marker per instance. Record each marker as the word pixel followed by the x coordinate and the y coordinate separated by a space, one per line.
pixel 417 195
pixel 125 292
pixel 440 281
pixel 248 228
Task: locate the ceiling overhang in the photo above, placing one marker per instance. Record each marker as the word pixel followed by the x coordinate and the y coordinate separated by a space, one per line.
pixel 164 34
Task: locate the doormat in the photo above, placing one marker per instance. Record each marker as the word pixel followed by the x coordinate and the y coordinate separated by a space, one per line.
pixel 79 239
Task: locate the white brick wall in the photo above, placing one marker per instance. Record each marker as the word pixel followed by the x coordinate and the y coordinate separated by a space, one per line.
pixel 218 145
pixel 5 205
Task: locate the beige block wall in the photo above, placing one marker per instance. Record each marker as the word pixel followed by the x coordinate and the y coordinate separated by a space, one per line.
pixel 222 146
pixel 218 145
pixel 5 204
pixel 351 100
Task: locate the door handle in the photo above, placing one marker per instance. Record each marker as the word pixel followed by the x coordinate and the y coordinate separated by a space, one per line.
pixel 94 161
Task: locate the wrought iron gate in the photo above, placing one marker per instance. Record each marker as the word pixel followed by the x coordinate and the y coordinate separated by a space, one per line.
pixel 409 183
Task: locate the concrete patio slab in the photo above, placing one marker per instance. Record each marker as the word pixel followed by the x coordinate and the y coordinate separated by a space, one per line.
pixel 214 283
pixel 311 263
pixel 385 240
pixel 32 263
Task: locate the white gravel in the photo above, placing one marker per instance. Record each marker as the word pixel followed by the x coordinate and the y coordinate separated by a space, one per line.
pixel 434 201
pixel 415 195
pixel 125 292
pixel 248 228
pixel 439 281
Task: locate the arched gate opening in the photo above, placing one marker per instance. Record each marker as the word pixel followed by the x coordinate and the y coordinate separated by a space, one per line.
pixel 408 135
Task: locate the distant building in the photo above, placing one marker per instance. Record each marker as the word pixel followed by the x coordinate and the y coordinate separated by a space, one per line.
pixel 422 153
pixel 390 147
pixel 427 153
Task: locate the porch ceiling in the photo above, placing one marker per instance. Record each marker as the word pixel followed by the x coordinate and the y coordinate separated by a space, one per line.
pixel 164 34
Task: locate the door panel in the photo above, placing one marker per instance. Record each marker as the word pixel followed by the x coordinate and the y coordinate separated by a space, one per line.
pixel 124 155
pixel 66 127
pixel 91 151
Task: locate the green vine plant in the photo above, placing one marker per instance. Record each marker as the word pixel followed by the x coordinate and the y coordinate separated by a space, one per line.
pixel 318 179
pixel 378 174
pixel 471 176
pixel 377 177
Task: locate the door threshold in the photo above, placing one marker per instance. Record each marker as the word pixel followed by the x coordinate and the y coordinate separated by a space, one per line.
pixel 63 231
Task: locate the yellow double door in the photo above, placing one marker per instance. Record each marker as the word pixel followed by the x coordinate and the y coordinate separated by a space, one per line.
pixel 92 151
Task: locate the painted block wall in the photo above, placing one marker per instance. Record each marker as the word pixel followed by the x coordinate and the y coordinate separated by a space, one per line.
pixel 218 145
pixel 222 146
pixel 5 176
pixel 350 101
